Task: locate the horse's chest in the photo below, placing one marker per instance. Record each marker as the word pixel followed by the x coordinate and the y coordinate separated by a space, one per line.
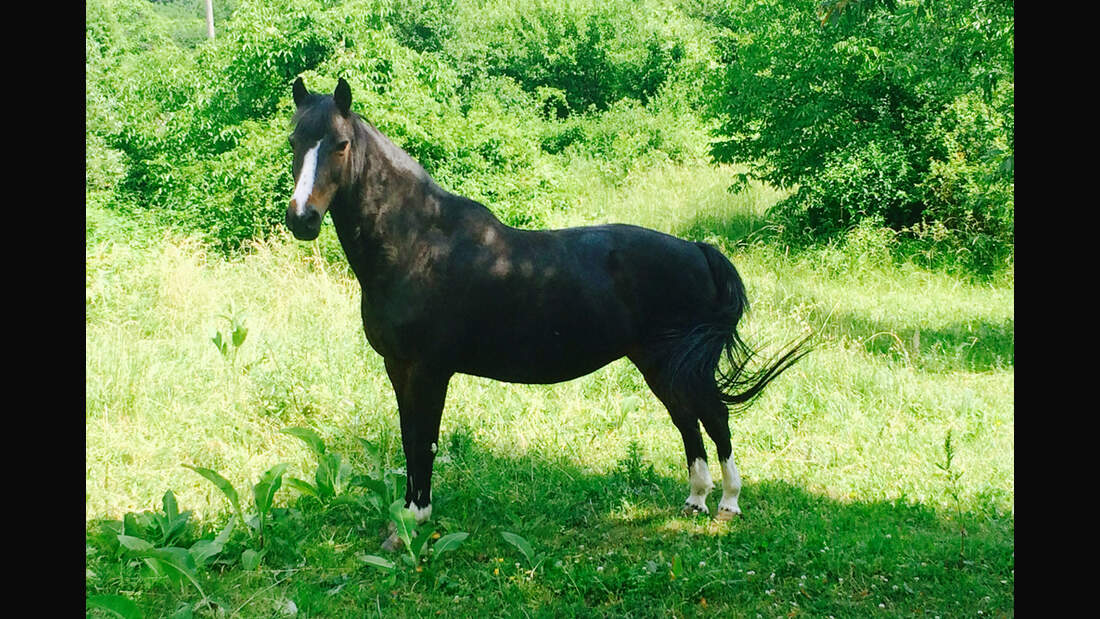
pixel 397 324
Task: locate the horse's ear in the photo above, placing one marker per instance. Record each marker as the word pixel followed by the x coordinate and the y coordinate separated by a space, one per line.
pixel 342 96
pixel 300 92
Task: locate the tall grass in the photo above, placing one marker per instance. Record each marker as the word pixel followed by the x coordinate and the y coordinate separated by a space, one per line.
pixel 899 349
pixel 840 451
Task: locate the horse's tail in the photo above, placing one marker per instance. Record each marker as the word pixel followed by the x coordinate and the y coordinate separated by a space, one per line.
pixel 701 348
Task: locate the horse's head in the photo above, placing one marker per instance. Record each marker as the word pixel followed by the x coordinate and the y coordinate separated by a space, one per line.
pixel 322 142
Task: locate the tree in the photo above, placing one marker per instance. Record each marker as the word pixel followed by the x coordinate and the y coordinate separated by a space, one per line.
pixel 901 110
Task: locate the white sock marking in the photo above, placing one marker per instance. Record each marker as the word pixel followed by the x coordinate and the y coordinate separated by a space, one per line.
pixel 731 487
pixel 700 481
pixel 421 513
pixel 306 177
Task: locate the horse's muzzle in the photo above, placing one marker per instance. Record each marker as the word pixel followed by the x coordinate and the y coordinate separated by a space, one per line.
pixel 305 226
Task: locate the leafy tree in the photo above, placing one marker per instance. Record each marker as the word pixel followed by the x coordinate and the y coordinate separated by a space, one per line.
pixel 902 110
pixel 195 131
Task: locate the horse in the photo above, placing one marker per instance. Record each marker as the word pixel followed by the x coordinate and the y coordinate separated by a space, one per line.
pixel 448 288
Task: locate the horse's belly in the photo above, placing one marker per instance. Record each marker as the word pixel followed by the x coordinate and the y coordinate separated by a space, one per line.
pixel 542 356
pixel 524 369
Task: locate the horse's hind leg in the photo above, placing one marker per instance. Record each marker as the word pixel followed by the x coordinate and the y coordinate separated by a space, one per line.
pixel 683 416
pixel 715 418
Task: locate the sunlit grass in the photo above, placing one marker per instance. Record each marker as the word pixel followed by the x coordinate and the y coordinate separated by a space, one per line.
pixel 839 453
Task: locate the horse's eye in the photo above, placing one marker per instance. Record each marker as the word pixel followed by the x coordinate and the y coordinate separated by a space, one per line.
pixel 340 146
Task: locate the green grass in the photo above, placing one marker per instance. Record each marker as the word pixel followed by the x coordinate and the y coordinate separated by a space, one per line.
pixel 846 512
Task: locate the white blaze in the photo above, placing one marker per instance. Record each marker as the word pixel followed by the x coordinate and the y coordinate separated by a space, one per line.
pixel 305 179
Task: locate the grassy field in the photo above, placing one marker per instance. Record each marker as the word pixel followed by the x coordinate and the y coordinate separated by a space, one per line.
pixel 849 510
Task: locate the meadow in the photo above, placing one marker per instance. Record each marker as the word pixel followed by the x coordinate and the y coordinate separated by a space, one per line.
pixel 242 439
pixel 848 510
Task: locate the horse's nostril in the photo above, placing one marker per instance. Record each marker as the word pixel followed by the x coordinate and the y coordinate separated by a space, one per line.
pixel 311 220
pixel 309 216
pixel 304 223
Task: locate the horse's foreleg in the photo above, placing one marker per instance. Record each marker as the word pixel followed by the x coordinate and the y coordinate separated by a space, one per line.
pixel 421 391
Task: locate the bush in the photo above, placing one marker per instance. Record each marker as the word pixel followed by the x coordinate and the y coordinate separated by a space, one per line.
pixel 592 53
pixel 105 169
pixel 856 182
pixel 197 134
pixel 897 110
pixel 422 25
pixel 969 191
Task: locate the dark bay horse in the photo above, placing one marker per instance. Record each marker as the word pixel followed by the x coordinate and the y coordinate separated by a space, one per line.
pixel 448 288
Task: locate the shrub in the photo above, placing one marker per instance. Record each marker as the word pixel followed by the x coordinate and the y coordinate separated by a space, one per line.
pixel 856 182
pixel 198 134
pixel 592 53
pixel 105 168
pixel 898 110
pixel 422 25
pixel 969 190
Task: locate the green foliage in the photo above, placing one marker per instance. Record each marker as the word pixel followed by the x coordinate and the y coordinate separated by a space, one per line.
pixel 333 475
pixel 897 110
pixel 416 540
pixel 422 25
pixel 524 547
pixel 155 538
pixel 969 190
pixel 196 131
pixel 164 528
pixel 263 494
pixel 106 167
pixel 229 344
pixel 593 53
pixel 223 485
pixel 153 542
pixel 118 27
pixel 902 111
pixel 841 457
pixel 117 604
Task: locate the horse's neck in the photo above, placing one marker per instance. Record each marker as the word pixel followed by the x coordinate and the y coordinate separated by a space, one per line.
pixel 394 161
pixel 390 200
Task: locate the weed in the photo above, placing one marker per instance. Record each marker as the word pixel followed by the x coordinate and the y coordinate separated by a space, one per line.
pixel 229 343
pixel 633 469
pixel 533 560
pixel 332 476
pixel 952 477
pixel 263 494
pixel 421 552
pixel 153 538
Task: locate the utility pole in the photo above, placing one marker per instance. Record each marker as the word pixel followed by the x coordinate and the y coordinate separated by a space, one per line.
pixel 210 19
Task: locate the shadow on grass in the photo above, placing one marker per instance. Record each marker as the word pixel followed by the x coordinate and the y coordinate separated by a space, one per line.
pixel 615 544
pixel 628 521
pixel 972 345
pixel 737 228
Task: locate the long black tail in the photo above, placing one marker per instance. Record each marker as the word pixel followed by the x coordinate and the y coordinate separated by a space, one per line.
pixel 701 348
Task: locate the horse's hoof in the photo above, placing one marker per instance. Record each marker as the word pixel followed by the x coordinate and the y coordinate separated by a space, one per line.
pixel 725 515
pixel 693 510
